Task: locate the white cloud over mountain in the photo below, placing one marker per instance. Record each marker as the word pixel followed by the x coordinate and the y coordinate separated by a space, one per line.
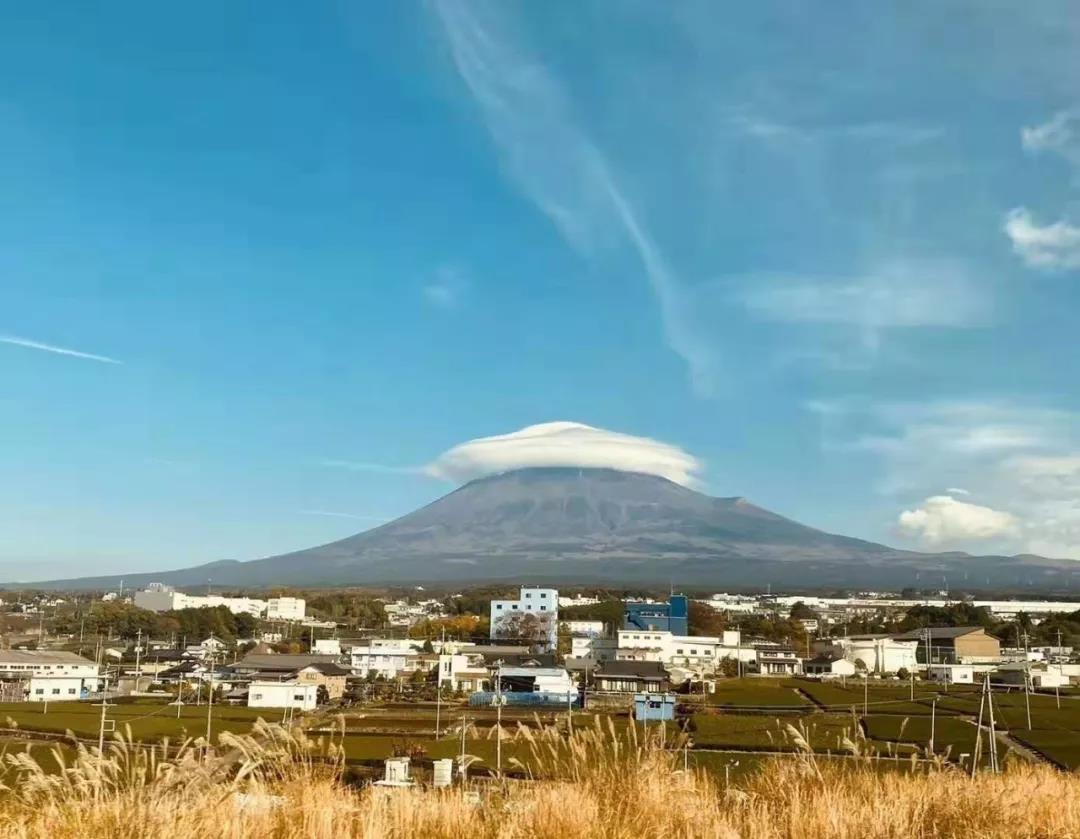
pixel 564 444
pixel 941 520
pixel 1020 458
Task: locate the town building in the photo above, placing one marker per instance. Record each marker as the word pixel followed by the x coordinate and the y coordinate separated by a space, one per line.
pixel 552 681
pixel 632 677
pixel 879 654
pixel 46 676
pixel 532 617
pixel 954 645
pixel 286 609
pixel 161 598
pixel 777 661
pixel 672 616
pixel 384 660
pixel 328 675
pixel 577 600
pixel 952 674
pixel 463 672
pixel 588 629
pixel 828 666
pixel 291 694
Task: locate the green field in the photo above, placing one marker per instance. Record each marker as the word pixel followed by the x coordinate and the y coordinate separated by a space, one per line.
pixel 756 693
pixel 886 699
pixel 824 732
pixel 147 721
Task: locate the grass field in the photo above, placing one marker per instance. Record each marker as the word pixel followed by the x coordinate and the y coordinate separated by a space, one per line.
pixel 148 721
pixel 756 693
pixel 888 698
pixel 824 732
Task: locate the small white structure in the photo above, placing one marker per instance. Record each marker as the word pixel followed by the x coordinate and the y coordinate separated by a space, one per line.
pixel 286 609
pixel 292 694
pixel 828 667
pixel 395 773
pixel 444 772
pixel 879 653
pixel 952 674
pixel 588 629
pixel 327 646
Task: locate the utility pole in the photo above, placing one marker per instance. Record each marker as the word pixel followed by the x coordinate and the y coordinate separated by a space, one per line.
pixel 138 656
pixel 461 763
pixel 993 730
pixel 1027 677
pixel 101 732
pixel 498 719
pixel 438 687
pixel 865 693
pixel 1057 688
pixel 210 701
pixel 933 722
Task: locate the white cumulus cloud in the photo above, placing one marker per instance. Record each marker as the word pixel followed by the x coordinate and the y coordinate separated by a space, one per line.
pixel 942 520
pixel 564 444
pixel 1049 246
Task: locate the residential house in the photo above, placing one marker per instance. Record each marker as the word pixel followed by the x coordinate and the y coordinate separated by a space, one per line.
pixel 632 677
pixel 828 666
pixel 777 661
pixel 322 674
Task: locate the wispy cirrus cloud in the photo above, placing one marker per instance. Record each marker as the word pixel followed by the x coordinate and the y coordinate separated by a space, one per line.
pixel 446 289
pixel 1054 246
pixel 57 350
pixel 558 166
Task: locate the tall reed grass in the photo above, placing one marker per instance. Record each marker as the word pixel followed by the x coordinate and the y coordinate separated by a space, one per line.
pixel 277 782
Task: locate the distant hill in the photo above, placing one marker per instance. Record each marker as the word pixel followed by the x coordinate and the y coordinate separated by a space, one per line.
pixel 601 525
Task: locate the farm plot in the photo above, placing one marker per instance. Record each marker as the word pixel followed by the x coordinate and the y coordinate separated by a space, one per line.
pixel 885 699
pixel 823 732
pixel 757 693
pixel 147 722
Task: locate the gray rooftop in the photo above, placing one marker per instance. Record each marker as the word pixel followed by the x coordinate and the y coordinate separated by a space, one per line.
pixel 41 657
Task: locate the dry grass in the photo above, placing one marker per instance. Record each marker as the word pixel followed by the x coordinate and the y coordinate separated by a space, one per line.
pixel 279 783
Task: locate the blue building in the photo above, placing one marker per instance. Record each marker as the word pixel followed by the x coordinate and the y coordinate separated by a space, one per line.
pixel 661 617
pixel 654 707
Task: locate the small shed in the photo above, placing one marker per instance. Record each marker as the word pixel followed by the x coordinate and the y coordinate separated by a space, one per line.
pixel 654 707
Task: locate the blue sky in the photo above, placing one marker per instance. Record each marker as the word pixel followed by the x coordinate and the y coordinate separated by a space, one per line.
pixel 830 253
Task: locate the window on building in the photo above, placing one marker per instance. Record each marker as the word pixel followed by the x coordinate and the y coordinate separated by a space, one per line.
pixel 39 692
pixel 56 691
pixel 543 608
pixel 498 605
pixel 257 696
pixel 679 652
pixel 298 697
pixel 528 595
pixel 71 691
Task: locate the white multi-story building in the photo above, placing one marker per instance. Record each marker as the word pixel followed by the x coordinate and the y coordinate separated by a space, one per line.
pixel 686 652
pixel 386 661
pixel 301 696
pixel 461 671
pixel 159 598
pixel 540 603
pixel 286 609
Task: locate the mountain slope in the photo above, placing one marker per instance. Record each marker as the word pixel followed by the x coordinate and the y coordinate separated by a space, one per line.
pixel 607 526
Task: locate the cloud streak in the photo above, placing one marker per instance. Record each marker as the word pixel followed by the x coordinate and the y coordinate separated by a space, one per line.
pixel 565 444
pixel 558 166
pixel 52 348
